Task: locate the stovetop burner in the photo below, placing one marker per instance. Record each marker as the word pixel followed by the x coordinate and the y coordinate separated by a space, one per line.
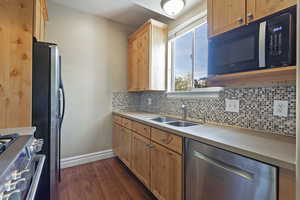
pixel 6 140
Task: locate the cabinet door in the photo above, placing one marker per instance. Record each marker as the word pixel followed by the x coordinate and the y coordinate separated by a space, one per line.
pixel 143 64
pixel 225 15
pixel 140 162
pixel 133 66
pixel 40 16
pixel 37 19
pixel 125 146
pixel 261 8
pixel 115 139
pixel 166 173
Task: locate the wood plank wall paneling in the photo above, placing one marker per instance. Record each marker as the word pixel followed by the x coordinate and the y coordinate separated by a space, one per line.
pixel 16 22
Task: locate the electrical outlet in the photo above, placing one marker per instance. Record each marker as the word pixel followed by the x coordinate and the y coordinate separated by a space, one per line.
pixel 232 105
pixel 149 101
pixel 280 108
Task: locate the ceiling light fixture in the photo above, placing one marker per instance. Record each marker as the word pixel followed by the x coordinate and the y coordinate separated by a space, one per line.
pixel 172 7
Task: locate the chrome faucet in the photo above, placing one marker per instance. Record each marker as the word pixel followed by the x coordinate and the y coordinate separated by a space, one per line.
pixel 184 111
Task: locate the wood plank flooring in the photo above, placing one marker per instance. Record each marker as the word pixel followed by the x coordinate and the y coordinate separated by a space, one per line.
pixel 107 179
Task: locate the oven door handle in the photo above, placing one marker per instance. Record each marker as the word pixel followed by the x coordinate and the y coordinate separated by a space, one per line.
pixel 36 177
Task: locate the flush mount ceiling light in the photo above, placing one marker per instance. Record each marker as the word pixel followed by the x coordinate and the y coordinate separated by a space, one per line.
pixel 172 7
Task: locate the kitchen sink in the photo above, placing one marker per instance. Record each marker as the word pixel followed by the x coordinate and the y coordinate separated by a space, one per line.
pixel 164 119
pixel 182 124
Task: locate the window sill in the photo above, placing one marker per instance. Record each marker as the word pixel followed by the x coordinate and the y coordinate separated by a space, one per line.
pixel 199 92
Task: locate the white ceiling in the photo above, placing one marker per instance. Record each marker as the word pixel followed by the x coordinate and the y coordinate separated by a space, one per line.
pixel 129 12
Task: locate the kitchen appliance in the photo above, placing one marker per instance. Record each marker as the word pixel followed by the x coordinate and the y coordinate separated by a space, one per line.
pixel 48 105
pixel 214 174
pixel 266 43
pixel 20 167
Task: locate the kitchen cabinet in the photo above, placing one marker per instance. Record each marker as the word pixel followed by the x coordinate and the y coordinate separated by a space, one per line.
pixel 152 159
pixel 141 129
pixel 147 57
pixel 116 139
pixel 168 140
pixel 287 184
pixel 166 173
pixel 257 9
pixel 16 24
pixel 140 160
pixel 40 17
pixel 124 144
pixel 225 15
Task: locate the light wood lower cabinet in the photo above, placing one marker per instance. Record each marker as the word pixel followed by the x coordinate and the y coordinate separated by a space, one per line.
pixel 166 173
pixel 140 160
pixel 115 138
pixel 159 168
pixel 124 143
pixel 287 184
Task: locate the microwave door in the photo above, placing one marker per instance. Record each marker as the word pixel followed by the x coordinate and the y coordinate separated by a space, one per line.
pixel 236 51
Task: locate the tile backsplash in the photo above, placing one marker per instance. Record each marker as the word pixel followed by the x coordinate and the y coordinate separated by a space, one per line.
pixel 255 107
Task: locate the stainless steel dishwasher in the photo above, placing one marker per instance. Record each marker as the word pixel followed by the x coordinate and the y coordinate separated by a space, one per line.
pixel 216 174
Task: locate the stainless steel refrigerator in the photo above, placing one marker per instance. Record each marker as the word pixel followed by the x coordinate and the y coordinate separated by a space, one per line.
pixel 48 105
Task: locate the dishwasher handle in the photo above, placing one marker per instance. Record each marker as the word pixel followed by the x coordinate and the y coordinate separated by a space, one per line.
pixel 224 166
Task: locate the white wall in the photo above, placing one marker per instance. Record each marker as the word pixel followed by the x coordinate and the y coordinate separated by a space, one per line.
pixel 197 10
pixel 94 64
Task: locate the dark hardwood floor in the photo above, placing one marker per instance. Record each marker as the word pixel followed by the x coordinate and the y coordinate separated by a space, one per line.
pixel 107 179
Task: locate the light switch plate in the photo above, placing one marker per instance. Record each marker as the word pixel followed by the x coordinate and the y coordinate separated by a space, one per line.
pixel 149 101
pixel 232 105
pixel 280 108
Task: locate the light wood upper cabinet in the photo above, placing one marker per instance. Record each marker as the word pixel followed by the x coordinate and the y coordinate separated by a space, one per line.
pixel 133 85
pixel 224 15
pixel 40 17
pixel 147 57
pixel 140 160
pixel 257 9
pixel 16 63
pixel 166 173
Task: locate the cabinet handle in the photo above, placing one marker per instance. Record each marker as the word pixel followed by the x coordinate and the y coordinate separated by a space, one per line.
pixel 151 146
pixel 250 16
pixel 240 20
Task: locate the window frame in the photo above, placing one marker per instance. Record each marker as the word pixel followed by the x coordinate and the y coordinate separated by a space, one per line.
pixel 172 64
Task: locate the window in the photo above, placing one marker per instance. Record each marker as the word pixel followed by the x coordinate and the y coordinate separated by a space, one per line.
pixel 189 59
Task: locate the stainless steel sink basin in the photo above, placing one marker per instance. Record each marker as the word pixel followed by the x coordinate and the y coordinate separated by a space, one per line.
pixel 164 119
pixel 182 124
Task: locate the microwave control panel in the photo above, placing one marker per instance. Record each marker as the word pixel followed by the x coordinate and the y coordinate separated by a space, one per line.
pixel 279 42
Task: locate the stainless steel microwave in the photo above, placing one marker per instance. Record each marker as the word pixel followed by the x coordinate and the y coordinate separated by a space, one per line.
pixel 266 43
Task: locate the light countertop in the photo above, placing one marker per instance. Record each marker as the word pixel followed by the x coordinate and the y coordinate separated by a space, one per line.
pixel 269 148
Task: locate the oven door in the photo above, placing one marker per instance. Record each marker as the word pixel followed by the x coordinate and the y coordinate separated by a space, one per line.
pixel 38 164
pixel 238 50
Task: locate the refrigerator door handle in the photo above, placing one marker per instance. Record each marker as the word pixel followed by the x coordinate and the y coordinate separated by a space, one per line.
pixel 62 103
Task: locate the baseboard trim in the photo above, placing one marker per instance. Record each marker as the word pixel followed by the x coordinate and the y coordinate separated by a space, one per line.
pixel 86 158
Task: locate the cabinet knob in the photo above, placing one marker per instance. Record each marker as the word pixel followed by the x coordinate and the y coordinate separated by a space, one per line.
pixel 250 16
pixel 240 20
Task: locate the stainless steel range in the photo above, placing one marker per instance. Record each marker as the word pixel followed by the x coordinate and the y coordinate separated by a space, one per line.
pixel 20 166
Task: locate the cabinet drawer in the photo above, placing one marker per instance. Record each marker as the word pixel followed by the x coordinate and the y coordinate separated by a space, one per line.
pixel 117 119
pixel 126 123
pixel 141 129
pixel 168 140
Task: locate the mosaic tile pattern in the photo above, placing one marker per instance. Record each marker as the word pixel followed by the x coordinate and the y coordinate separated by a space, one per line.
pixel 256 107
pixel 123 101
